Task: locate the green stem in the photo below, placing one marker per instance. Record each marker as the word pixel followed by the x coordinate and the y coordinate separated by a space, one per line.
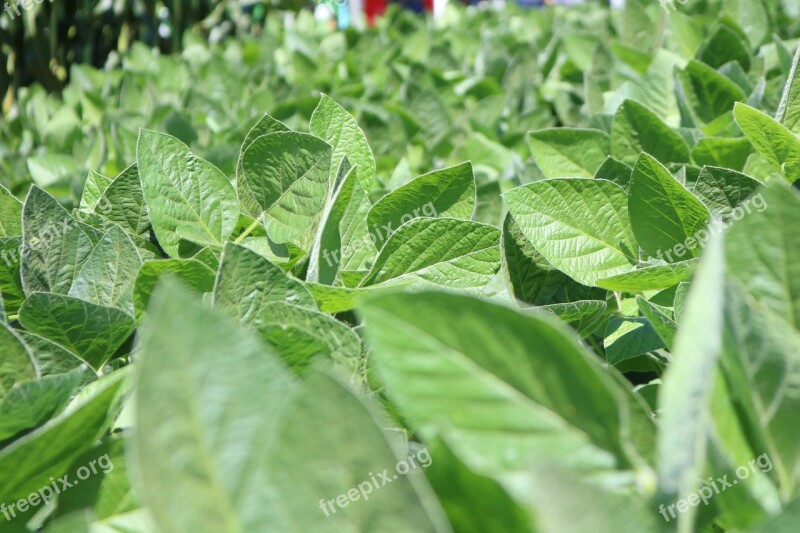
pixel 249 230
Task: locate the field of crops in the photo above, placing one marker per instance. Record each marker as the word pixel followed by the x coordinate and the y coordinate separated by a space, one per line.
pixel 505 271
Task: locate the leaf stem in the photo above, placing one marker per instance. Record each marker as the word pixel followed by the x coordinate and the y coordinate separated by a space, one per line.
pixel 249 229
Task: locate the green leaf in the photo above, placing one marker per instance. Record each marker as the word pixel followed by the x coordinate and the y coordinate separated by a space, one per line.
pixel 344 242
pixel 547 395
pixel 626 338
pixel 723 190
pixel 338 299
pixel 637 129
pixel 439 251
pixel 288 176
pixel 531 279
pixel 91 332
pixel 54 245
pixel 685 394
pixel 10 283
pixel 580 226
pixel 10 214
pixel 32 402
pixel 108 274
pixel 660 320
pixel 252 467
pixel 94 187
pixel 761 362
pixel 584 316
pixel 789 108
pixel 763 251
pixel 569 152
pixel 265 125
pixel 717 152
pixel 666 217
pixel 650 278
pixel 779 146
pixel 30 462
pixel 17 363
pixel 332 123
pixel 247 282
pixel 187 197
pixel 192 273
pixel 123 203
pixel 449 192
pixel 275 318
pixel 708 93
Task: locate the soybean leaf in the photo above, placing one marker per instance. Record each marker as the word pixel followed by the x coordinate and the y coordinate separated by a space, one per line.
pixel 187 197
pixel 650 278
pixel 664 215
pixel 265 125
pixel 17 363
pixel 332 123
pixel 246 282
pixel 192 273
pixel 779 146
pixel 123 203
pixel 580 226
pixel 287 173
pixel 569 152
pixel 449 192
pixel 93 189
pixel 789 108
pixel 107 276
pixel 30 462
pixel 439 251
pixel 91 332
pixel 10 214
pixel 637 129
pixel 54 245
pixel 762 251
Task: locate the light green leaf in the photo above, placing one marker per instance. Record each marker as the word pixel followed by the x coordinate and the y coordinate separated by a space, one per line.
pixel 265 125
pixel 789 108
pixel 569 152
pixel 123 203
pixel 32 402
pixel 550 401
pixel 55 246
pixel 343 242
pixel 449 192
pixel 30 462
pixel 651 278
pixel 439 251
pixel 288 176
pixel 763 251
pixel 94 187
pixel 187 197
pixel 779 146
pixel 191 272
pixel 708 93
pixel 332 123
pixel 531 279
pixel 108 274
pixel 17 363
pixel 92 332
pixel 247 282
pixel 723 190
pixel 685 395
pixel 10 214
pixel 666 217
pixel 637 129
pixel 580 226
